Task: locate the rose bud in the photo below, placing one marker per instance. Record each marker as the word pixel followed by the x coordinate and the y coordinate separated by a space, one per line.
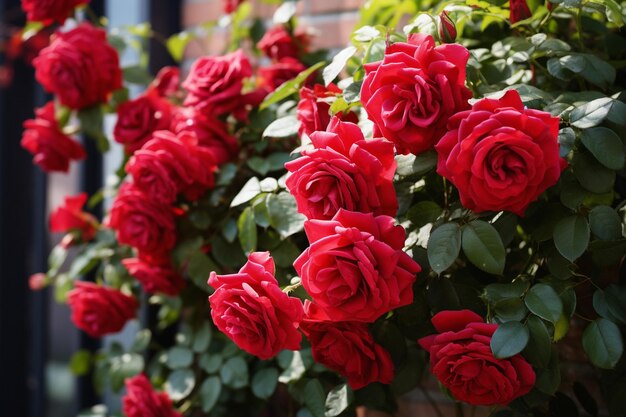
pixel 447 29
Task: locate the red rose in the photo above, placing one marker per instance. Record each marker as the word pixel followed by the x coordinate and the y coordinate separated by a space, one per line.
pixel 49 11
pixel 212 133
pixel 99 311
pixel 214 83
pixel 272 76
pixel 314 108
pixel 79 67
pixel 52 149
pixel 355 268
pixel 412 92
pixel 447 28
pixel 461 358
pixel 169 164
pixel 519 11
pixel 155 278
pixel 142 222
pixel 347 348
pixel 166 83
pixel 500 155
pixel 277 43
pixel 142 401
pixel 343 171
pixel 138 119
pixel 70 217
pixel 250 308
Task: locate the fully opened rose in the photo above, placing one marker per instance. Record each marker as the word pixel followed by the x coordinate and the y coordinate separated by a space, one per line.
pixel 500 155
pixel 344 171
pixel 461 359
pixel 250 308
pixel 141 400
pixel 412 92
pixel 79 67
pixel 355 268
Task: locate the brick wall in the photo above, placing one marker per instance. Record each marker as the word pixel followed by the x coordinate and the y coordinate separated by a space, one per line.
pixel 331 20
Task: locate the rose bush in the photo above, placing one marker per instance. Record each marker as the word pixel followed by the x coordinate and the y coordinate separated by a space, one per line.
pixel 443 200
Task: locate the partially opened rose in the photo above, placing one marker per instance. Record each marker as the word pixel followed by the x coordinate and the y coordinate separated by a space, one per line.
pixel 80 67
pixel 277 43
pixel 343 171
pixel 347 348
pixel 154 277
pixel 137 119
pixel 71 218
pixel 49 11
pixel 99 311
pixel 141 400
pixel 355 268
pixel 250 308
pixel 412 92
pixel 500 155
pixel 313 111
pixel 461 359
pixel 52 149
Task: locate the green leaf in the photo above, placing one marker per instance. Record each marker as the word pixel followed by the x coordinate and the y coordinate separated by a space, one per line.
pixel 352 93
pixel 199 267
pixel 246 226
pixel 338 400
pixel 294 370
pixel 592 113
pixel 179 357
pixel 538 349
pixel 509 339
pixel 605 145
pixel 285 12
pixel 567 140
pixel 602 341
pixel 202 338
pixel 605 223
pixel 592 175
pixel 282 128
pixel 544 302
pixel 315 398
pixel 444 245
pixel 549 379
pixel 124 366
pixel 210 392
pixel 423 213
pixel 283 214
pixel 137 74
pixel 338 63
pixel 610 303
pixel 571 237
pixel 483 247
pixel 234 372
pixel 180 384
pixel 142 340
pixel 289 87
pixel 177 43
pixel 416 165
pixel 264 383
pixel 210 363
pixel 91 124
pixel 81 361
pixel 251 189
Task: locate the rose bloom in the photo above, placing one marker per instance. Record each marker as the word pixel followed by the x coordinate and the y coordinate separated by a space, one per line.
pixel 137 119
pixel 99 311
pixel 212 133
pixel 461 359
pixel 170 164
pixel 314 108
pixel 166 83
pixel 70 217
pixel 155 278
pixel 250 308
pixel 141 400
pixel 413 91
pixel 214 82
pixel 272 76
pixel 344 171
pixel 277 43
pixel 49 11
pixel 52 149
pixel 347 348
pixel 500 155
pixel 79 67
pixel 519 11
pixel 355 268
pixel 142 222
